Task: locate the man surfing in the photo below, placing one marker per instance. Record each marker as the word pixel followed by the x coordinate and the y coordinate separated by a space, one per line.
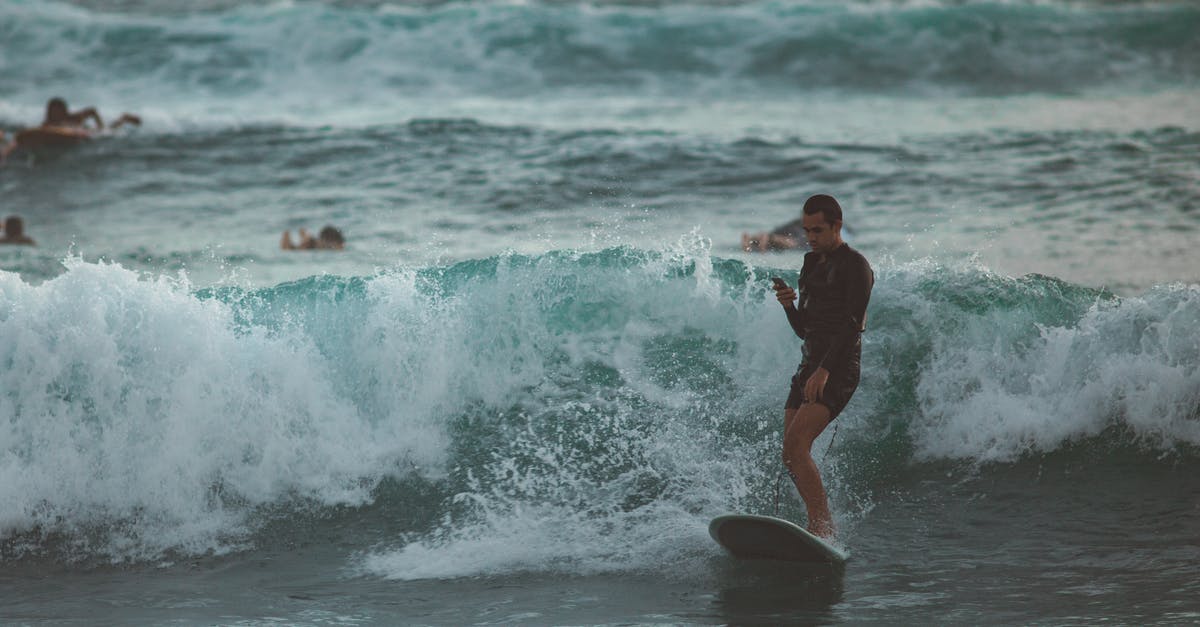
pixel 830 316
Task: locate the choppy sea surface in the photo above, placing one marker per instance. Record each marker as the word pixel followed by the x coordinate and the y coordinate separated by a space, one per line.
pixel 543 364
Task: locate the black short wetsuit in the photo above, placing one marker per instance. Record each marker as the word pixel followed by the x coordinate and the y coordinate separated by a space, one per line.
pixel 831 316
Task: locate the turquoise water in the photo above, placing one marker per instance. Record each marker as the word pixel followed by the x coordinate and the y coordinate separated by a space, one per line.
pixel 542 364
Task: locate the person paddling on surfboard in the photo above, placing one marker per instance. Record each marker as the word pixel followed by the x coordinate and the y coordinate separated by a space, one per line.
pixel 59 116
pixel 61 127
pixel 830 316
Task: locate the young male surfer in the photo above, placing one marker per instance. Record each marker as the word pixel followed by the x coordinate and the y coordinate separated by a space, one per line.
pixel 835 286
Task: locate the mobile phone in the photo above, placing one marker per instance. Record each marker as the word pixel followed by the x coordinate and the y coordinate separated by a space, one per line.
pixel 780 284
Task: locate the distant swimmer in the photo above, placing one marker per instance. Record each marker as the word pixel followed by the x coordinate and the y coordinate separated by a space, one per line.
pixel 62 128
pixel 14 232
pixel 330 238
pixel 786 237
pixel 834 288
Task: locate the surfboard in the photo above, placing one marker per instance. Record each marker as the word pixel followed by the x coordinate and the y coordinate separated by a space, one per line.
pixel 748 536
pixel 51 136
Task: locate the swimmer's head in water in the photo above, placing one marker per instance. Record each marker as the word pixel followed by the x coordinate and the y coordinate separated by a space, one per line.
pixel 14 227
pixel 56 110
pixel 822 223
pixel 330 237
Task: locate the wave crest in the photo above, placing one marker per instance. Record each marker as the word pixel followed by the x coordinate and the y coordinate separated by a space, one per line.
pixel 596 390
pixel 292 59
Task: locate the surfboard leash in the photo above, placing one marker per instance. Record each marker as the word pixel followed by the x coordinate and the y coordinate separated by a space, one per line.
pixel 788 471
pixel 830 447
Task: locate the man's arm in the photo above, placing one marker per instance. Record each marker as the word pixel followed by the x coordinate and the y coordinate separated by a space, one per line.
pixel 126 118
pixel 795 317
pixel 79 117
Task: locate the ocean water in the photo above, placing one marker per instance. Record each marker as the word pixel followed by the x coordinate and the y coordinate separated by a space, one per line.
pixel 543 364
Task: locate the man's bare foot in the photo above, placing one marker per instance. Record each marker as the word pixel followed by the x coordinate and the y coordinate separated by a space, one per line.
pixel 823 530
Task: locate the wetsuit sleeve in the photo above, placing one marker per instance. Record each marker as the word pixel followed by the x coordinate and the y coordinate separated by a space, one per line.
pixel 858 280
pixel 795 317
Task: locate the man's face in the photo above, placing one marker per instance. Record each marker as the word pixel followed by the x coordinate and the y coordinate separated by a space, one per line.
pixel 822 237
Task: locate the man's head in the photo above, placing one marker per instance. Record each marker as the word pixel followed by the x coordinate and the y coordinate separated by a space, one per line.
pixel 822 223
pixel 56 111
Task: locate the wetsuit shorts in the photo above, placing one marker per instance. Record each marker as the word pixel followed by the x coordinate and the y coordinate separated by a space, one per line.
pixel 843 381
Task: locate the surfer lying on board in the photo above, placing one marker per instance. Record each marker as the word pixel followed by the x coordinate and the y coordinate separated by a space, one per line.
pixel 61 127
pixel 835 286
pixel 59 116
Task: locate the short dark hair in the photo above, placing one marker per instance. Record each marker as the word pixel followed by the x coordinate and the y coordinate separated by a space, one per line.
pixel 825 205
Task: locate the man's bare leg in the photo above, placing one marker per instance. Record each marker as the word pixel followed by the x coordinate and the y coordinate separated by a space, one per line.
pixel 801 427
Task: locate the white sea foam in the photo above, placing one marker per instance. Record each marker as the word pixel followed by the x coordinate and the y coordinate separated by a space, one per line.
pixel 993 384
pixel 591 408
pixel 135 412
pixel 628 479
pixel 1002 386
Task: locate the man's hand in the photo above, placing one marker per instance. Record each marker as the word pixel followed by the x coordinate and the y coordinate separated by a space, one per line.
pixel 786 297
pixel 127 118
pixel 814 388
